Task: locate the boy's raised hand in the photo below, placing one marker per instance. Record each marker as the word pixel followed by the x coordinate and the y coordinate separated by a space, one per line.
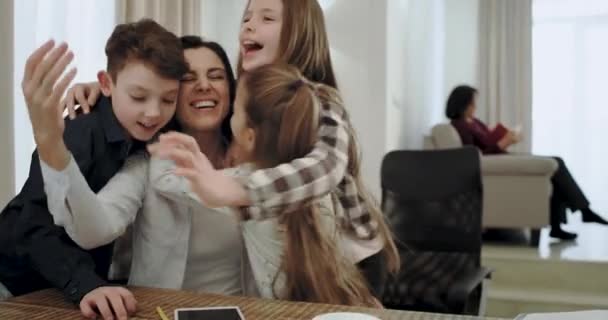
pixel 42 89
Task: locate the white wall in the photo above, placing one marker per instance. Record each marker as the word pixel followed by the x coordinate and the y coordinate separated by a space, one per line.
pixel 416 71
pixel 359 56
pixel 7 176
pixel 396 23
pixel 221 21
pixel 432 47
pixel 396 72
pixel 461 43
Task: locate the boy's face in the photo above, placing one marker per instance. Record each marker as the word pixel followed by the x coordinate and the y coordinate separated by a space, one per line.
pixel 260 33
pixel 143 101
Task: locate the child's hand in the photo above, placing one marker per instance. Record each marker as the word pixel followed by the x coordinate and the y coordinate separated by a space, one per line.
pixel 83 94
pixel 42 90
pixel 212 187
pixel 110 302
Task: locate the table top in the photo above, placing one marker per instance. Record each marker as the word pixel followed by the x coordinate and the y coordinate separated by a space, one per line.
pixel 49 304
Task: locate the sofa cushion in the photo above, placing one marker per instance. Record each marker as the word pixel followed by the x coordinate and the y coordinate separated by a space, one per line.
pixel 445 136
pixel 513 165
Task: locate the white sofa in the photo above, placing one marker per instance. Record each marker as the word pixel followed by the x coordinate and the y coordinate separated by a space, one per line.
pixel 517 188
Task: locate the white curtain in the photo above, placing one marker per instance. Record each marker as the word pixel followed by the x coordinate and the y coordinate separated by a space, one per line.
pixel 7 169
pixel 361 75
pixel 36 21
pixel 570 96
pixel 179 16
pixel 431 48
pixel 221 22
pixel 415 71
pixel 505 65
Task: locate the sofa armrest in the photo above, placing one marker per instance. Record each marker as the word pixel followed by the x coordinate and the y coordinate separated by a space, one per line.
pixel 507 164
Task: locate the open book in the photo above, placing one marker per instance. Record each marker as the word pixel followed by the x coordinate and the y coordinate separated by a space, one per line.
pixel 500 131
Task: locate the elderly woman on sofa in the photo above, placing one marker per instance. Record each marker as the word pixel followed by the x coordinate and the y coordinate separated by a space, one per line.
pixel 460 108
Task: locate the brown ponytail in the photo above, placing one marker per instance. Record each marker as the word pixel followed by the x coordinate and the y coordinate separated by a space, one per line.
pixel 283 109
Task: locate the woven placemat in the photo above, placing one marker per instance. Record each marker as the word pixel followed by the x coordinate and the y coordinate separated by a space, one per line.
pixel 19 311
pixel 252 308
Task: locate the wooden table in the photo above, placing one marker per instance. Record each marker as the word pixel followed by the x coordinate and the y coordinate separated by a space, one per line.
pixel 49 304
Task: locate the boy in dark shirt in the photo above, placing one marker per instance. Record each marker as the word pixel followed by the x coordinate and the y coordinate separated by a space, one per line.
pixel 140 85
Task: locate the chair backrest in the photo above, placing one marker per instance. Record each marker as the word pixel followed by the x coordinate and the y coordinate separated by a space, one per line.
pixel 445 136
pixel 433 201
pixel 433 198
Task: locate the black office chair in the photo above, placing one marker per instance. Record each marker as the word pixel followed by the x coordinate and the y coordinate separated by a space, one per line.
pixel 433 202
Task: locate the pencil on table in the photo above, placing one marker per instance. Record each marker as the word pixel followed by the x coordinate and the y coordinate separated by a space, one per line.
pixel 161 314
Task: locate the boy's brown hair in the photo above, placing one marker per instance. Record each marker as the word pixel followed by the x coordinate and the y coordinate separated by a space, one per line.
pixel 148 42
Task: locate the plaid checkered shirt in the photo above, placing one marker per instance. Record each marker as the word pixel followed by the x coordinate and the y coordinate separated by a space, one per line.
pixel 286 187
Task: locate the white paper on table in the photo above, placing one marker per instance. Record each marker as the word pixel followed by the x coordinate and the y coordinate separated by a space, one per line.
pixel 576 315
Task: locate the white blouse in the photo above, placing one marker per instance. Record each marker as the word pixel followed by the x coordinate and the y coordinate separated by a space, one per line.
pixel 265 243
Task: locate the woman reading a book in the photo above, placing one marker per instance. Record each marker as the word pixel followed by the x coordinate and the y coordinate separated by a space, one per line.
pixel 460 109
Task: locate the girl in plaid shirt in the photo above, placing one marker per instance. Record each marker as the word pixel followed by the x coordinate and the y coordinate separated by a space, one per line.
pixel 293 32
pixel 298 255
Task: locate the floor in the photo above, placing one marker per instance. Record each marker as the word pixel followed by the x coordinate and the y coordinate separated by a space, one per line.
pixel 556 276
pixel 591 244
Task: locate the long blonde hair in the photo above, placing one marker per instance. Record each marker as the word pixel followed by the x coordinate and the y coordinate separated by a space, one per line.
pixel 283 109
pixel 304 44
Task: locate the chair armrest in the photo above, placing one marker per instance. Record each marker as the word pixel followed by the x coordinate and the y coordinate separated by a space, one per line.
pixel 518 165
pixel 464 286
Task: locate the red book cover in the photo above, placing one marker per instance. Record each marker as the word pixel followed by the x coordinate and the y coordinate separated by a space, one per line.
pixel 498 133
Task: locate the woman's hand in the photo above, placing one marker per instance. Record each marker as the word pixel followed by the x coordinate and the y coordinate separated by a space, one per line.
pixel 212 187
pixel 518 135
pixel 509 139
pixel 83 94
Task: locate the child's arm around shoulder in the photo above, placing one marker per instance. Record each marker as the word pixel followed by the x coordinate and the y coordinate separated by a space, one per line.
pixel 302 179
pixel 269 191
